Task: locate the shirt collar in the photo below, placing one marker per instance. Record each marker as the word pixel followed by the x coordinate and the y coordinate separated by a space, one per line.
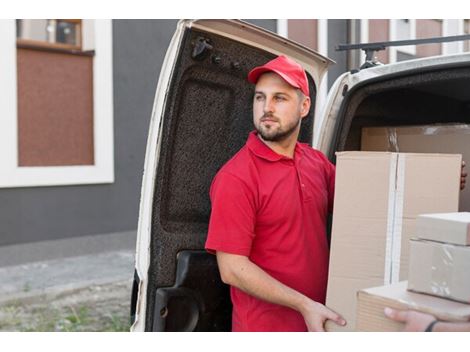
pixel 263 151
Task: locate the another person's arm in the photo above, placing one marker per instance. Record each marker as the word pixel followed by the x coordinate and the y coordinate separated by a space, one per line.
pixel 417 321
pixel 463 176
pixel 239 271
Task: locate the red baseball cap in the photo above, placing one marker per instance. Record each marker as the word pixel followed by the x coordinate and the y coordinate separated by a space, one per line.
pixel 288 69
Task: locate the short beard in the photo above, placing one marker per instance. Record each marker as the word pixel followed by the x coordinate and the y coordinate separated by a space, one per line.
pixel 276 135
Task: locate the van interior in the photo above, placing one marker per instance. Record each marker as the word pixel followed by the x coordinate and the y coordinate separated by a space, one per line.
pixel 438 96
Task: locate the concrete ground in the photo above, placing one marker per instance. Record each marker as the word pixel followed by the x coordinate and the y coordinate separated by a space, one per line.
pixel 81 293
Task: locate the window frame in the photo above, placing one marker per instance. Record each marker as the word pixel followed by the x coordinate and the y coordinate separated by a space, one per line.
pixel 453 47
pixel 12 175
pixel 408 49
pixel 56 45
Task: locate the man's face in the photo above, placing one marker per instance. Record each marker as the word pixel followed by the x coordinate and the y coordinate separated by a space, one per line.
pixel 278 108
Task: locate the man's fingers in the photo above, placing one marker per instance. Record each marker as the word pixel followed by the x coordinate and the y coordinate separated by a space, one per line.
pixel 338 319
pixel 319 328
pixel 395 314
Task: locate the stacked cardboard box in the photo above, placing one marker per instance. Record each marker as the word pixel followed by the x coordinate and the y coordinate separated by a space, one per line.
pixel 377 199
pixel 438 276
pixel 440 258
pixel 436 138
pixel 372 302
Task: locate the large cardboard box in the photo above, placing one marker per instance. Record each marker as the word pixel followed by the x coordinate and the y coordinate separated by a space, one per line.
pixel 437 138
pixel 440 269
pixel 372 302
pixel 377 199
pixel 445 227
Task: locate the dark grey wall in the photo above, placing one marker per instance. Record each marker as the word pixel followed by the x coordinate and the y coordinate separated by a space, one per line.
pixel 47 213
pixel 337 34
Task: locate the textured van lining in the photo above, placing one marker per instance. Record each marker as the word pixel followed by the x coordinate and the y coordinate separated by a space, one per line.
pixel 204 126
pixel 424 98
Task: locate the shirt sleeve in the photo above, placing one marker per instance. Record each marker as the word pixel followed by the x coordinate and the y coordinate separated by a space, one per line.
pixel 331 176
pixel 232 220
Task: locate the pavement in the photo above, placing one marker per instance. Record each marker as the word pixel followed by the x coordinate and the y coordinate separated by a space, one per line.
pixel 49 278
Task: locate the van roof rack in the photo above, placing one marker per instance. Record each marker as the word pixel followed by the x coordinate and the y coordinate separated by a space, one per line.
pixel 371 48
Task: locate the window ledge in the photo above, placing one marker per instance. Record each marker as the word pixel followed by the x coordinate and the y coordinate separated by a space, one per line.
pixel 52 47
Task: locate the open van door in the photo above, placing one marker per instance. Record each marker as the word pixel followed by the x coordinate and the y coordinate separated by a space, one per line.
pixel 201 117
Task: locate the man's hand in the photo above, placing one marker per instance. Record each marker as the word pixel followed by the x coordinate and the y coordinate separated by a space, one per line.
pixel 463 176
pixel 414 321
pixel 316 314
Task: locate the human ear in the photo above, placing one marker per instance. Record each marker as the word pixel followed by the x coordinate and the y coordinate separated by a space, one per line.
pixel 305 107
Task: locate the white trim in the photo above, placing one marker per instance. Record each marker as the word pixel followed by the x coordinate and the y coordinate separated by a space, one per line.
pixel 322 88
pixel 8 107
pixel 364 35
pixel 11 175
pixel 445 33
pixel 409 49
pixel 461 31
pixel 88 37
pixel 282 27
pixel 447 48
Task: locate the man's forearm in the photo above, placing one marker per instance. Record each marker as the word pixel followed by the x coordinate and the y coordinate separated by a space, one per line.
pixel 240 272
pixel 251 279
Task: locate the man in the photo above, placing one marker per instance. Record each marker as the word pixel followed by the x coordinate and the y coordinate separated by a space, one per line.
pixel 269 208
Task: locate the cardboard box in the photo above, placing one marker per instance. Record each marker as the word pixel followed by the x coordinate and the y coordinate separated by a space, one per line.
pixel 440 269
pixel 372 302
pixel 438 138
pixel 444 227
pixel 377 199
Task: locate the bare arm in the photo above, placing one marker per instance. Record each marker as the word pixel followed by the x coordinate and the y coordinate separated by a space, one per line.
pixel 444 326
pixel 417 321
pixel 239 271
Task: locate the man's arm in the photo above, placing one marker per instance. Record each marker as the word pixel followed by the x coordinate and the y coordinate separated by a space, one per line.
pixel 239 271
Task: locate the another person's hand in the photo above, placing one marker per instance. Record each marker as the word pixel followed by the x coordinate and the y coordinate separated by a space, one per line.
pixel 316 314
pixel 463 176
pixel 414 321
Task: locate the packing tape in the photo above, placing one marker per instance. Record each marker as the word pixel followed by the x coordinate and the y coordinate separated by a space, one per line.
pixel 392 140
pixel 394 218
pixel 441 270
pixel 398 219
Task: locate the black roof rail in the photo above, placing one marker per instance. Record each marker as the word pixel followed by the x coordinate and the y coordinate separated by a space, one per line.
pixel 371 48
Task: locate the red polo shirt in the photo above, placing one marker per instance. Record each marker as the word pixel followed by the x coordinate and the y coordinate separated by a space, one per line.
pixel 273 209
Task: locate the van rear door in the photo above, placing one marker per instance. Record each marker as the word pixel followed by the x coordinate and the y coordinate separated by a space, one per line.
pixel 202 116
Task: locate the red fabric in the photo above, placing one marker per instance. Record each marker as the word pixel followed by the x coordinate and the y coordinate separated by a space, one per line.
pixel 288 69
pixel 273 209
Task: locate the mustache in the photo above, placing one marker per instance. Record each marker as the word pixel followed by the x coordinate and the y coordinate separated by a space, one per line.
pixel 269 116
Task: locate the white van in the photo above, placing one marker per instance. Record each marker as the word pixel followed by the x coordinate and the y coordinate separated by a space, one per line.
pixel 202 116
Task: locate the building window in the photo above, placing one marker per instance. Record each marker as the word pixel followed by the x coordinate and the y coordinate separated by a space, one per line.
pixel 56 103
pixel 54 33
